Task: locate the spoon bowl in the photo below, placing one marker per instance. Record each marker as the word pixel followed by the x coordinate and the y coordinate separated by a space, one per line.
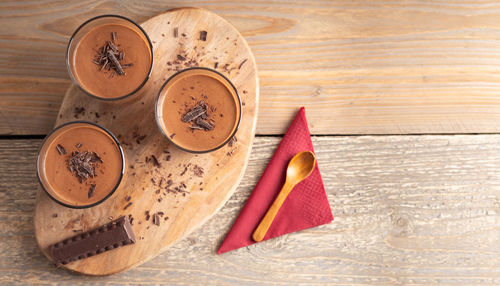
pixel 299 168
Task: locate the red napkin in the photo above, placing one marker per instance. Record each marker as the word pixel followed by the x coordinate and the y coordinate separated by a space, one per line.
pixel 306 206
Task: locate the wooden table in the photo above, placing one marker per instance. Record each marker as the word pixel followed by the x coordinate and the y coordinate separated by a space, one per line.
pixel 396 93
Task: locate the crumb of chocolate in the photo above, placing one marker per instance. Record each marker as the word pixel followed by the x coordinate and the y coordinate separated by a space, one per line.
pixel 84 164
pixel 176 32
pixel 97 115
pixel 60 149
pixel 127 206
pixel 147 215
pixel 181 58
pixel 216 65
pixel 79 111
pixel 198 171
pixel 140 138
pixel 166 218
pixel 54 215
pixel 203 35
pixel 91 190
pixel 184 35
pixel 127 198
pixel 232 141
pixel 172 136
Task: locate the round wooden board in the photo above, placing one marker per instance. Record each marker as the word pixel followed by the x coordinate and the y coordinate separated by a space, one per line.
pixel 223 169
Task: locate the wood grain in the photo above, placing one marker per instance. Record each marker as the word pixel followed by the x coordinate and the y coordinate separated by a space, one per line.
pixel 360 67
pixel 134 118
pixel 409 210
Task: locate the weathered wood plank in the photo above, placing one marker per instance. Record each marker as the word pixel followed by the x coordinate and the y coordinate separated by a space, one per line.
pixel 360 67
pixel 412 210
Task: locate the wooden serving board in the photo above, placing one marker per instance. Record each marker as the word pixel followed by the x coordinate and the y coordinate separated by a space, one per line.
pixel 134 125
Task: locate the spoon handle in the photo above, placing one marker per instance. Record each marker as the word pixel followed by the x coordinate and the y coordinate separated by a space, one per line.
pixel 268 219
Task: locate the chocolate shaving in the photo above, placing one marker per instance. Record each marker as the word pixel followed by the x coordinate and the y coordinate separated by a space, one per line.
pixel 243 62
pixel 232 141
pixel 184 171
pixel 203 35
pixel 194 113
pixel 116 63
pixel 127 198
pixel 127 206
pixel 112 47
pixel 91 191
pixel 163 183
pixel 176 32
pixel 172 136
pixel 84 164
pixel 156 219
pixel 181 58
pixel 109 56
pixel 155 161
pixel 60 149
pixel 216 65
pixel 204 124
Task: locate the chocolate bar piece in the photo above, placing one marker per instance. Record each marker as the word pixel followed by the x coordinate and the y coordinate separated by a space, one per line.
pixel 107 237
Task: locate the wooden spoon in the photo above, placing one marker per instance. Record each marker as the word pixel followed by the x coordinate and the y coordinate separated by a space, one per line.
pixel 299 168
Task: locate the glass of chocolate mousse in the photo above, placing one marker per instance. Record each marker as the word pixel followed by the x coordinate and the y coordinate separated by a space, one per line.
pixel 198 110
pixel 80 164
pixel 109 57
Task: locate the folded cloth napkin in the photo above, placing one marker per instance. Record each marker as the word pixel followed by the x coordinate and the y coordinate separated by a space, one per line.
pixel 306 206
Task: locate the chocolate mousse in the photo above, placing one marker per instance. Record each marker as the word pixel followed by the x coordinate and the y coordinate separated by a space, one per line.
pixel 198 109
pixel 80 164
pixel 111 60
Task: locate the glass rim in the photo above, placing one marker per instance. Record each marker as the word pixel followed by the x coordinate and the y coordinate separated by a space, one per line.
pixel 113 190
pixel 75 82
pixel 237 122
